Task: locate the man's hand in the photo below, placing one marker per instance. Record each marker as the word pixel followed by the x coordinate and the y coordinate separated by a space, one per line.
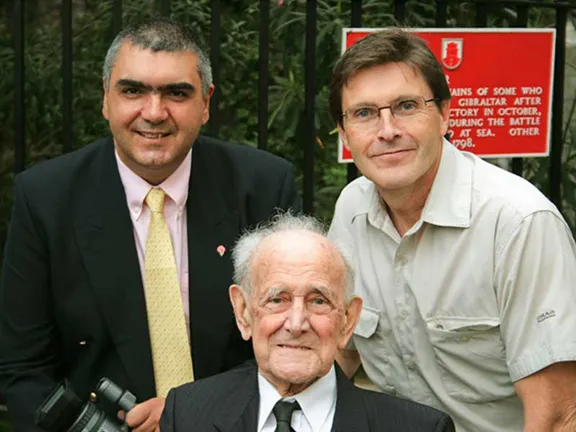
pixel 145 416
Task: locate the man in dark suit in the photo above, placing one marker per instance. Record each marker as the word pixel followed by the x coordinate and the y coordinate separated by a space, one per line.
pixel 74 287
pixel 295 300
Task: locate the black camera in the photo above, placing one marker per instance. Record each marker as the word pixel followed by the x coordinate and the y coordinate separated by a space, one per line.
pixel 63 411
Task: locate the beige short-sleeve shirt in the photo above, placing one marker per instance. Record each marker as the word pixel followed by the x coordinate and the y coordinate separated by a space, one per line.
pixel 480 293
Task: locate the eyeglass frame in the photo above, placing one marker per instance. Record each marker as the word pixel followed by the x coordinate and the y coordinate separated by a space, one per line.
pixel 426 101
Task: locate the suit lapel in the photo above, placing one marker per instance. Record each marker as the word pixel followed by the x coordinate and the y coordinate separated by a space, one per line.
pixel 212 230
pixel 350 413
pixel 106 241
pixel 241 407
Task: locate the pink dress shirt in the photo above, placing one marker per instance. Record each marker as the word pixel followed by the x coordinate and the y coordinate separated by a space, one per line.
pixel 176 189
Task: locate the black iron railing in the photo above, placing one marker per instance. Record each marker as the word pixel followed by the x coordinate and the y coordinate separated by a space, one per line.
pixel 483 10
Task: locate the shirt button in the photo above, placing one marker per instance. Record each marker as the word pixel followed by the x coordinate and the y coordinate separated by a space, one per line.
pixel 402 261
pixel 411 365
pixel 403 313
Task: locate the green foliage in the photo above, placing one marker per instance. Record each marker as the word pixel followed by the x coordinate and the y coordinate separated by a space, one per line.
pixel 238 86
pixel 5 426
pixel 4 423
pixel 238 103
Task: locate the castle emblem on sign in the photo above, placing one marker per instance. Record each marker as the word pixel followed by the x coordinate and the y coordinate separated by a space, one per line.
pixel 452 53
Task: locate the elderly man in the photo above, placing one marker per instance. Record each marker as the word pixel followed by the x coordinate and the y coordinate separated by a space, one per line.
pixel 467 271
pixel 294 300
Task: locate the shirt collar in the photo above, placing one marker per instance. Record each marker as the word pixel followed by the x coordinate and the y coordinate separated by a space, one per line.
pixel 315 401
pixel 176 186
pixel 366 203
pixel 136 188
pixel 449 202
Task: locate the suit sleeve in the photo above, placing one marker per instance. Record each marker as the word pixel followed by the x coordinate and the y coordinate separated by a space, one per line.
pixel 28 356
pixel 289 198
pixel 445 424
pixel 167 419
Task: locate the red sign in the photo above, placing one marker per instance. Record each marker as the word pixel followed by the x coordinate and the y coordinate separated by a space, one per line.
pixel 501 86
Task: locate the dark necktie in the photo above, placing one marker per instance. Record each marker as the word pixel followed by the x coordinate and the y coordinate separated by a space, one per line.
pixel 283 413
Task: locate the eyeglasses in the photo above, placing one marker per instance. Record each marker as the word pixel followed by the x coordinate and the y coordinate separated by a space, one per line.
pixel 368 116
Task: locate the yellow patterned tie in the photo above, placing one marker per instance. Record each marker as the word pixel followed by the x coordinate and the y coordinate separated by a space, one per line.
pixel 166 323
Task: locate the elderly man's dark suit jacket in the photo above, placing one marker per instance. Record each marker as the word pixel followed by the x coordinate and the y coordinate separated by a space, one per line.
pixel 71 296
pixel 229 402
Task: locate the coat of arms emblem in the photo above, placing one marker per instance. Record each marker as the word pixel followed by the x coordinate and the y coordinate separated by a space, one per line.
pixel 452 53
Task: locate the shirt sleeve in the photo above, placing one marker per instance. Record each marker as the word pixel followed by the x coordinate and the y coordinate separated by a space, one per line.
pixel 535 281
pixel 339 233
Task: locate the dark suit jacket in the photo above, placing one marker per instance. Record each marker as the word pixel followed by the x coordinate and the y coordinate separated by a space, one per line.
pixel 71 296
pixel 229 402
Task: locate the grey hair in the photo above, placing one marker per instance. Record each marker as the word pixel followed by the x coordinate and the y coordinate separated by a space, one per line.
pixel 247 245
pixel 160 35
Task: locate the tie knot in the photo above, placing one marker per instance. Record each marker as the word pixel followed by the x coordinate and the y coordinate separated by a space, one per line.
pixel 283 411
pixel 155 200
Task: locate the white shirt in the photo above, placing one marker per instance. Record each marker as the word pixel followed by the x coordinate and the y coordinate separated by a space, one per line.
pixel 478 294
pixel 317 403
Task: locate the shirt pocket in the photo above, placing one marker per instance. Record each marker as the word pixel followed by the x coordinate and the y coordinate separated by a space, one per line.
pixel 370 339
pixel 472 358
pixel 367 323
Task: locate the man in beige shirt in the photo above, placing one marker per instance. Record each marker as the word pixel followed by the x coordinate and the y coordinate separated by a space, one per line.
pixel 467 272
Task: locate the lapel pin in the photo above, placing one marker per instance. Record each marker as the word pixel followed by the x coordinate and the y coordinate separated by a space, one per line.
pixel 221 250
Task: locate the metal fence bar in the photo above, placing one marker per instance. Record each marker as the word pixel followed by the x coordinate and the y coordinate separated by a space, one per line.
pixel 67 99
pixel 400 10
pixel 309 107
pixel 165 7
pixel 263 74
pixel 441 13
pixel 19 86
pixel 215 24
pixel 521 21
pixel 481 14
pixel 523 12
pixel 355 21
pixel 356 13
pixel 116 17
pixel 554 193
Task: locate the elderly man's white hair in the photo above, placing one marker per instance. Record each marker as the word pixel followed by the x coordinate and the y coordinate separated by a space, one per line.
pixel 245 249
